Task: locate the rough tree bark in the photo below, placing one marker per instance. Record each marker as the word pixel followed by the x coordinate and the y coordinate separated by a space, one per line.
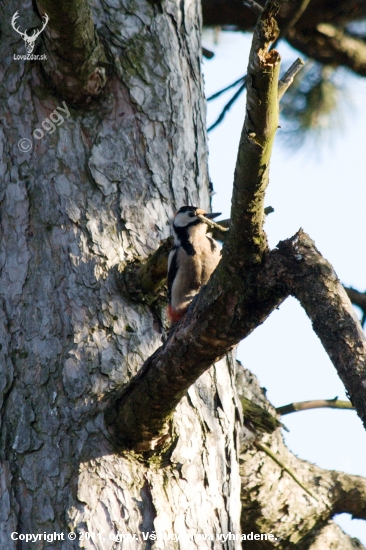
pixel 99 191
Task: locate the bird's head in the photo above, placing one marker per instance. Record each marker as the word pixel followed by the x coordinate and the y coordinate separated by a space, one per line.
pixel 188 216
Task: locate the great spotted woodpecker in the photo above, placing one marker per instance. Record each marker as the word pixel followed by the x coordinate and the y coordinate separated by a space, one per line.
pixel 192 260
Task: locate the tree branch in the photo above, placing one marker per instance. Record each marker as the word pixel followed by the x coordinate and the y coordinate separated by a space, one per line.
pixel 327 43
pixel 331 46
pixel 335 492
pixel 208 54
pixel 349 494
pixel 256 8
pixel 294 18
pixel 227 310
pixel 247 241
pixel 358 299
pixel 283 85
pixel 142 279
pixel 76 60
pixel 316 404
pixel 334 320
pixel 289 76
pixel 284 467
pixel 228 105
pixel 223 90
pixel 224 312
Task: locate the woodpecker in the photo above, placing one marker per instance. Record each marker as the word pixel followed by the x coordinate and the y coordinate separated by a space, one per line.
pixel 192 260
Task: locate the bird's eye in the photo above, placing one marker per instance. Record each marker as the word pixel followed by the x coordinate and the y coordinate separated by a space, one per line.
pixel 191 214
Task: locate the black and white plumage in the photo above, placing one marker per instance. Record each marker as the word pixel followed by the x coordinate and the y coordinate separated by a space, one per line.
pixel 192 260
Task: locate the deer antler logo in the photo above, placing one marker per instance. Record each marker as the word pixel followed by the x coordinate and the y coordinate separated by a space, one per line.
pixel 29 40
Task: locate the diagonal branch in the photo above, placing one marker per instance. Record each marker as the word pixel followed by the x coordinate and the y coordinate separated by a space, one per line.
pixel 283 85
pixel 333 493
pixel 285 468
pixel 227 88
pixel 76 60
pixel 228 105
pixel 223 314
pixel 334 320
pixel 256 8
pixel 311 279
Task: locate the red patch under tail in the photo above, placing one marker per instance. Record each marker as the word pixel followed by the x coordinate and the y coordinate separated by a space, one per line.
pixel 174 315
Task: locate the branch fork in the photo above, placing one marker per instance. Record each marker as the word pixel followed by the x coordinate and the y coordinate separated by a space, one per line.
pixel 248 284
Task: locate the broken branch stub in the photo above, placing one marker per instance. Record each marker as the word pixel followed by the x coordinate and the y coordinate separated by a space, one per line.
pixel 142 279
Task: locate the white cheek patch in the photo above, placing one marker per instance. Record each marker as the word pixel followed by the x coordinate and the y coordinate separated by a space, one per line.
pixel 182 219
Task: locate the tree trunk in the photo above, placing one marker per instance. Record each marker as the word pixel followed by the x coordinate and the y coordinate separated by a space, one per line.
pixel 99 190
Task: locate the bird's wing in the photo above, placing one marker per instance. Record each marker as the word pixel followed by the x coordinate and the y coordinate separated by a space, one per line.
pixel 172 270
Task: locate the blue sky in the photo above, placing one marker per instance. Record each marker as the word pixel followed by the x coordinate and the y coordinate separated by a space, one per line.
pixel 321 188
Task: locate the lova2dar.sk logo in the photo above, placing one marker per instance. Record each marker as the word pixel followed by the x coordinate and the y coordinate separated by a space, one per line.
pixel 29 40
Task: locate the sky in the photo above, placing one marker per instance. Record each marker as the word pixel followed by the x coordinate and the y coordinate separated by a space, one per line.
pixel 321 188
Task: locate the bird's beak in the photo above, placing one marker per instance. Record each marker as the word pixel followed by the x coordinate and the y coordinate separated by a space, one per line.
pixel 206 218
pixel 211 216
